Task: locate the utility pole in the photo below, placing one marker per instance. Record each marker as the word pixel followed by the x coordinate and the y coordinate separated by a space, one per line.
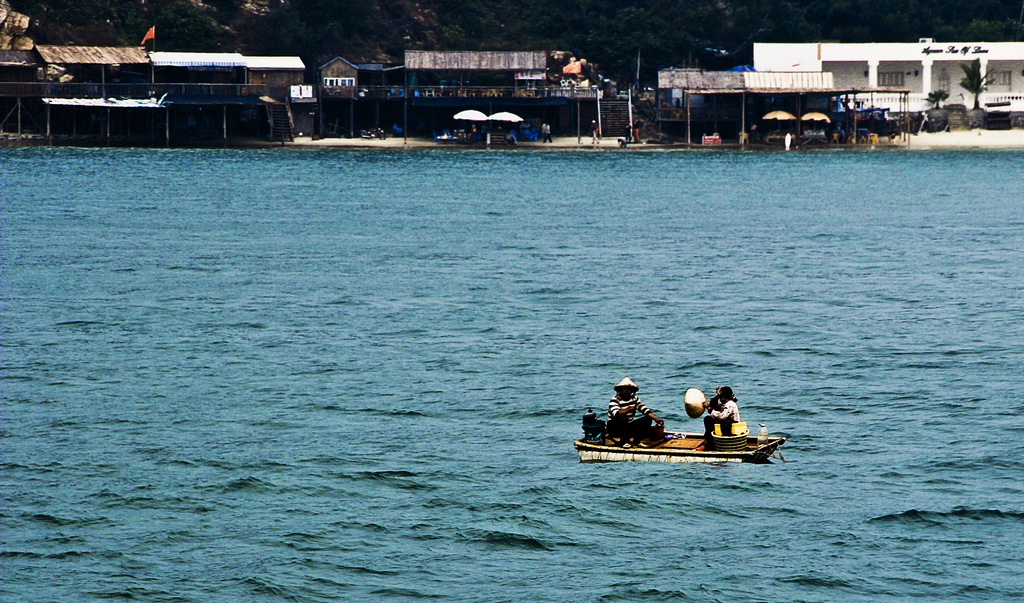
pixel 1020 23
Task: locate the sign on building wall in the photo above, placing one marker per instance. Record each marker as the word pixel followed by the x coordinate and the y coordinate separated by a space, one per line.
pixel 299 92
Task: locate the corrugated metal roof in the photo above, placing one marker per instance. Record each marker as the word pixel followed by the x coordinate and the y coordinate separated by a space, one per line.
pixel 789 80
pixel 475 61
pixel 695 79
pixel 274 63
pixel 19 58
pixel 114 103
pixel 342 59
pixel 93 55
pixel 205 99
pixel 197 59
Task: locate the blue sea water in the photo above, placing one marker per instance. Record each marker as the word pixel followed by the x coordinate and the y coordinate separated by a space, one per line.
pixel 294 375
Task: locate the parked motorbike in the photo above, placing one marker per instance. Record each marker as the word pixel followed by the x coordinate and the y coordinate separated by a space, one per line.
pixel 374 133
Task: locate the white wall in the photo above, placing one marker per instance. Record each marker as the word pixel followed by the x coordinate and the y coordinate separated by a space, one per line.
pixel 847 75
pixel 786 57
pixel 849 62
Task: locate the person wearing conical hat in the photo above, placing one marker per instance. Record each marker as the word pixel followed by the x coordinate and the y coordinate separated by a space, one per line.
pixel 621 412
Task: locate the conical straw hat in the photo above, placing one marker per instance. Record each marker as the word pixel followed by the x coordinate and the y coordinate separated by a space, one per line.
pixel 694 402
pixel 627 382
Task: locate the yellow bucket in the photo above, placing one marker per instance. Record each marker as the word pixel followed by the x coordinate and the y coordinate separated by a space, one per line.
pixel 738 429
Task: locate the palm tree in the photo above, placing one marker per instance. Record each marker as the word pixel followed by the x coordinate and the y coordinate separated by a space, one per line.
pixel 974 82
pixel 935 97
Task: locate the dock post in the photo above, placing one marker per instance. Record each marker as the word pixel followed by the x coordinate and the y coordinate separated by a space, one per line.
pixel 686 98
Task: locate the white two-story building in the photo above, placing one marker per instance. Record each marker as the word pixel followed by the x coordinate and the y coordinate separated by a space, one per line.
pixel 921 67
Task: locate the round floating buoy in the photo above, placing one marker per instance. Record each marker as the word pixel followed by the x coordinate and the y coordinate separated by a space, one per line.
pixel 694 400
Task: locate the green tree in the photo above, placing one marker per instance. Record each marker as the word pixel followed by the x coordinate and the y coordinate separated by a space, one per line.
pixel 935 97
pixel 974 82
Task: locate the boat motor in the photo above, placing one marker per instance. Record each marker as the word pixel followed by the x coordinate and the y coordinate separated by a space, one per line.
pixel 593 428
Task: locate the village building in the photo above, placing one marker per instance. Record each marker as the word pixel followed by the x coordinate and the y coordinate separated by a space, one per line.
pixel 742 106
pixel 421 96
pixel 20 66
pixel 128 95
pixel 443 82
pixel 350 94
pixel 921 67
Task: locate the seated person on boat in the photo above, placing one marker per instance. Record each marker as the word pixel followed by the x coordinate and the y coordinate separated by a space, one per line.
pixel 621 412
pixel 723 410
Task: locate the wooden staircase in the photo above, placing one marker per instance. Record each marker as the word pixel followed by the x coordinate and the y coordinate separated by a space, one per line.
pixel 281 126
pixel 614 118
pixel 958 119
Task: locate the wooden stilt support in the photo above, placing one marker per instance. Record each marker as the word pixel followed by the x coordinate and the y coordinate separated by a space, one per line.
pixel 686 98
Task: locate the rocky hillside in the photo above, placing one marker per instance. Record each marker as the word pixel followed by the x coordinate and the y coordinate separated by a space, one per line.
pixel 14 29
pixel 709 33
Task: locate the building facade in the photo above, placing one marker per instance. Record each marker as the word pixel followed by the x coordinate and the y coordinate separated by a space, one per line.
pixel 921 67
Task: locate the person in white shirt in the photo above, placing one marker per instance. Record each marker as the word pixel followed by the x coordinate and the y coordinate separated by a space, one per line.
pixel 723 410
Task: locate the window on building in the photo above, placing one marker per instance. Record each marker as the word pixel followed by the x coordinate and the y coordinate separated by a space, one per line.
pixel 339 81
pixel 999 78
pixel 890 78
pixel 944 80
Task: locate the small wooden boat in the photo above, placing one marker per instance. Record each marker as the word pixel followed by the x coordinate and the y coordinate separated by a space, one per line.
pixel 677 448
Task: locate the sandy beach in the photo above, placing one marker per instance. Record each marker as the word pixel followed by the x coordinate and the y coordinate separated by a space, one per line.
pixel 1008 139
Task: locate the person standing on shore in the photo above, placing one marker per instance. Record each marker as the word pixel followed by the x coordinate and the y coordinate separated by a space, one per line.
pixel 546 129
pixel 595 130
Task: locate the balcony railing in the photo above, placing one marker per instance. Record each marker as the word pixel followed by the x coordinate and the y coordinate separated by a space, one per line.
pixel 94 90
pixel 666 113
pixel 156 90
pixel 482 92
pixel 918 102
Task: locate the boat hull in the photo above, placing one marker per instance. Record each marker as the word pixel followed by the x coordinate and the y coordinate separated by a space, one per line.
pixel 681 449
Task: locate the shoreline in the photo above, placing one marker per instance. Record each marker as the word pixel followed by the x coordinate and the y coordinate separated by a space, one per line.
pixel 959 140
pixel 972 139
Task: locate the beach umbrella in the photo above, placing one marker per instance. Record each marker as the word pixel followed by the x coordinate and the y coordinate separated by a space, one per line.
pixel 815 116
pixel 471 115
pixel 780 115
pixel 505 116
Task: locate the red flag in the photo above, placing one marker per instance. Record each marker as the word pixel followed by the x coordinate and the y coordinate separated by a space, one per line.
pixel 150 35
